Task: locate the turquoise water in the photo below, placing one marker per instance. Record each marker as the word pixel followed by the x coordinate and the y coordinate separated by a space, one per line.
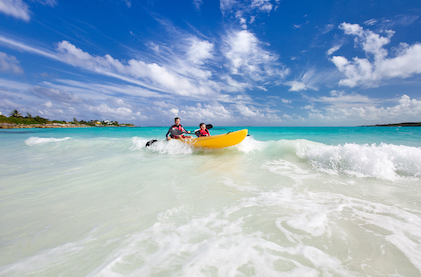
pixel 331 201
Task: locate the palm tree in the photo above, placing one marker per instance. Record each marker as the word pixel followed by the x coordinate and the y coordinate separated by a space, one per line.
pixel 29 115
pixel 15 113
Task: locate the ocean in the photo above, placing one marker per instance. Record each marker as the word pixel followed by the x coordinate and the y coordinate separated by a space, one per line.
pixel 287 201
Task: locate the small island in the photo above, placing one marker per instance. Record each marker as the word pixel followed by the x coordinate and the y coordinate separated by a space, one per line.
pixel 16 120
pixel 403 124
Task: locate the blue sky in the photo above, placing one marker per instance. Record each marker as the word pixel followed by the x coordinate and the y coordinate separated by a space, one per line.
pixel 254 62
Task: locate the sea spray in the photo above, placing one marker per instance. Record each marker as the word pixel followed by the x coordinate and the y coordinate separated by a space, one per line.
pixel 36 140
pixel 382 161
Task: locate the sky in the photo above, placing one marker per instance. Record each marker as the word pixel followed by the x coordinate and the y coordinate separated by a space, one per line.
pixel 227 62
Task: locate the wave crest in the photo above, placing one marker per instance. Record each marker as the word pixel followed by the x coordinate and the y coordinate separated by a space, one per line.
pixel 384 161
pixel 37 140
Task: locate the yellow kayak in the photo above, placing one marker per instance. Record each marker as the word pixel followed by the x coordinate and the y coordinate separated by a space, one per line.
pixel 218 141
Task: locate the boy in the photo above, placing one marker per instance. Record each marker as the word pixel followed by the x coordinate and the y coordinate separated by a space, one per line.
pixel 203 132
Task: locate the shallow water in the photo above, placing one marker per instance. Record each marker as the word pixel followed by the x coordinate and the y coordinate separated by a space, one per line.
pixel 284 202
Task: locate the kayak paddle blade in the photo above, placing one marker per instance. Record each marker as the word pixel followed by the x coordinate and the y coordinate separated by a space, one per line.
pixel 149 143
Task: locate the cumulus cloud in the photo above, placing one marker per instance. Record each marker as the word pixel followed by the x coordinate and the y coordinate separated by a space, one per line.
pixel 15 8
pixel 246 57
pixel 246 111
pixel 19 9
pixel 370 71
pixel 296 86
pixel 339 109
pixel 9 64
pixel 199 51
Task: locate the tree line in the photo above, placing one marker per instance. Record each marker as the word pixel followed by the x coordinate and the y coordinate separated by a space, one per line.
pixel 16 117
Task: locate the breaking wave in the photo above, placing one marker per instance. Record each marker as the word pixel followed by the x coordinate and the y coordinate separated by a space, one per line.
pixel 36 140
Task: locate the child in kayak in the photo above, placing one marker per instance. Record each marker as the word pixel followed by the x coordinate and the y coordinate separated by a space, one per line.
pixel 203 132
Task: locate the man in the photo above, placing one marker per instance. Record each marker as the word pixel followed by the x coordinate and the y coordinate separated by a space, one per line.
pixel 176 130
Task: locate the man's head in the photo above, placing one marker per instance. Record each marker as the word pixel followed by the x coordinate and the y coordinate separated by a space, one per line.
pixel 177 120
pixel 202 126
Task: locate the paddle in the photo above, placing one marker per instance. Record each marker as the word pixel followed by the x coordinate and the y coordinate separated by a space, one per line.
pixel 174 132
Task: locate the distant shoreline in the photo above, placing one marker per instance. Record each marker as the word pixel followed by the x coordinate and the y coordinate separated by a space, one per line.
pixel 45 125
pixel 404 124
pixel 50 125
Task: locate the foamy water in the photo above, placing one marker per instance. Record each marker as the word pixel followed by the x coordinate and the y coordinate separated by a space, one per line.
pixel 98 203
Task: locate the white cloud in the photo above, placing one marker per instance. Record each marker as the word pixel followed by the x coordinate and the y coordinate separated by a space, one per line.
pixel 152 75
pixel 328 28
pixel 262 5
pixel 15 8
pixel 199 51
pixel 19 9
pixel 286 101
pixel 105 111
pixel 339 99
pixel 370 22
pixel 51 3
pixel 205 112
pixel 334 49
pixel 12 85
pixel 9 64
pixel 226 5
pixel 197 4
pixel 246 57
pixel 192 67
pixel 309 80
pixel 56 95
pixel 245 11
pixel 21 46
pixel 369 73
pixel 175 111
pixel 246 111
pixel 296 86
pixel 406 109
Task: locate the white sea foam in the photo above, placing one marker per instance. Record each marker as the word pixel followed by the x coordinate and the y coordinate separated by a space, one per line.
pixel 172 147
pixel 215 245
pixel 249 144
pixel 234 242
pixel 384 161
pixel 36 140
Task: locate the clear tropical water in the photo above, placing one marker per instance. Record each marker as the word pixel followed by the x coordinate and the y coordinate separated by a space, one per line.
pixel 284 202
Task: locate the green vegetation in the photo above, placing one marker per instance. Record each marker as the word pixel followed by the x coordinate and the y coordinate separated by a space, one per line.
pixel 17 118
pixel 23 120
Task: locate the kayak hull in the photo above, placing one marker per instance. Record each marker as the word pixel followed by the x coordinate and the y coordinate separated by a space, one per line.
pixel 218 141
